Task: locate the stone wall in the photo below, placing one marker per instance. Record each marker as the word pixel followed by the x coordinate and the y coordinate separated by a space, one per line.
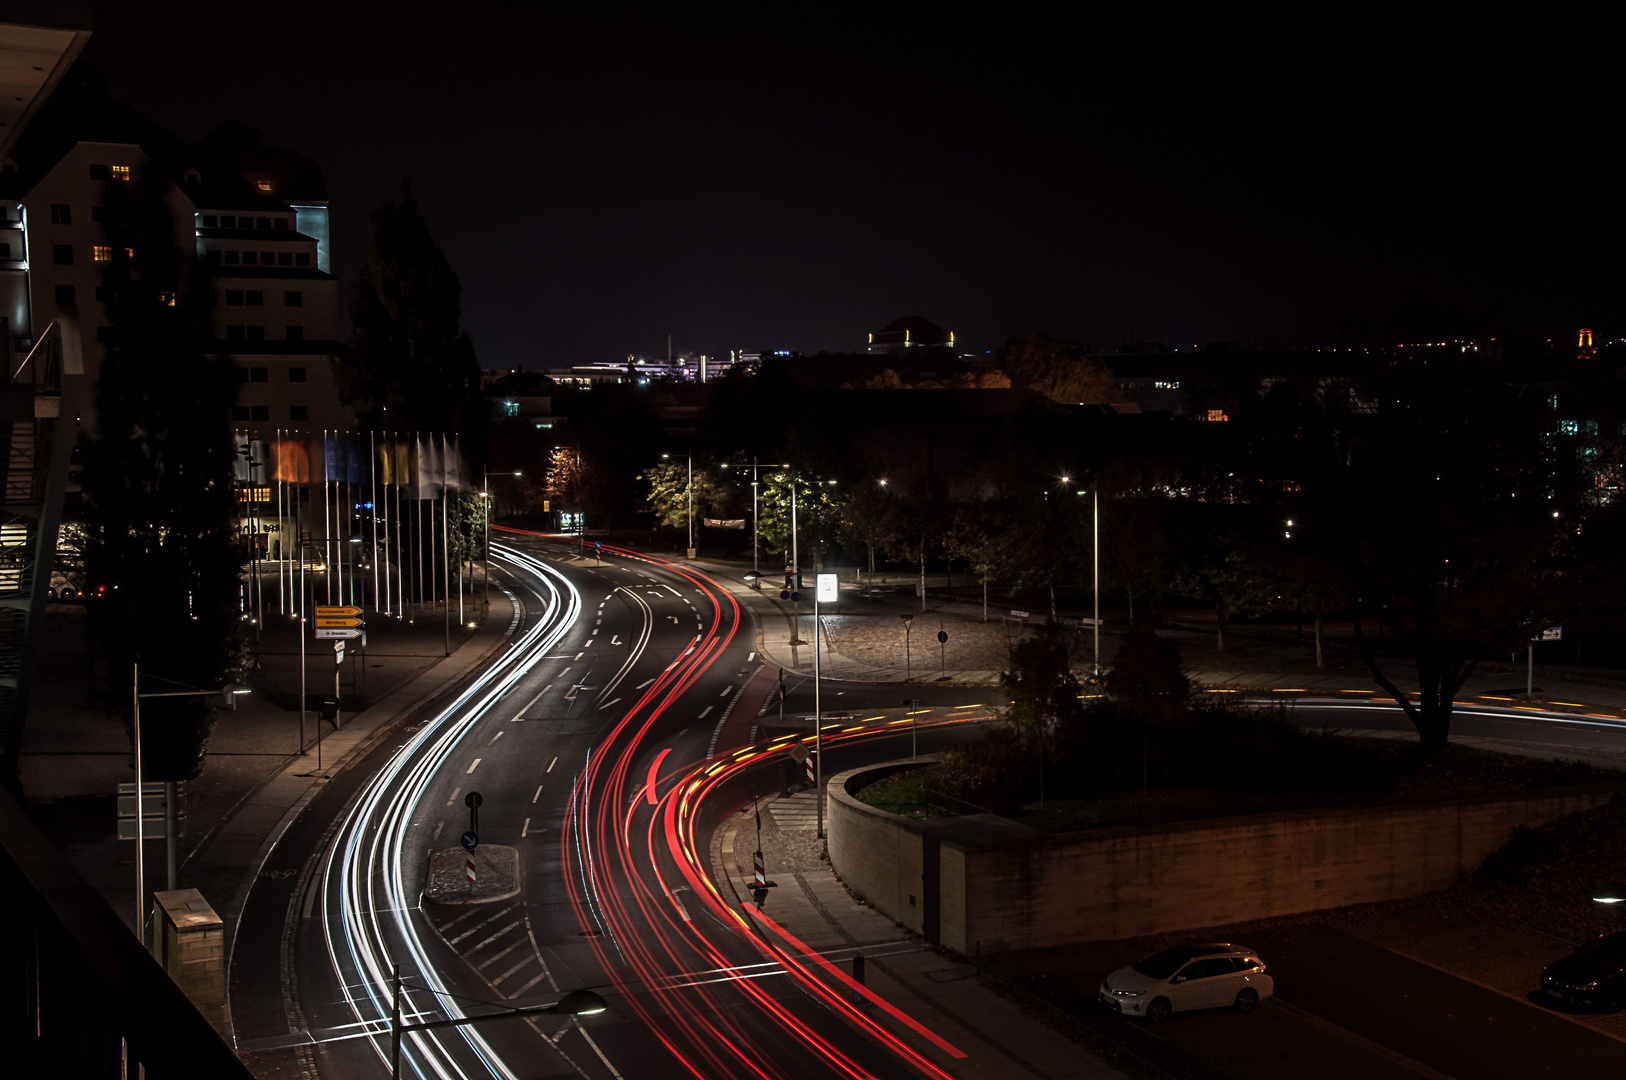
pixel 982 884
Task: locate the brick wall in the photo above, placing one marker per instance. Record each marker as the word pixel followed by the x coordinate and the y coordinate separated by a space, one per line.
pixel 985 885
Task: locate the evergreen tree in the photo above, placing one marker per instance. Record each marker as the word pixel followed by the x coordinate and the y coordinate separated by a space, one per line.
pixel 409 366
pixel 158 481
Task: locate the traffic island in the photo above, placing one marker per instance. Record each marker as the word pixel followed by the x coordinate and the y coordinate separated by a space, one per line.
pixel 496 875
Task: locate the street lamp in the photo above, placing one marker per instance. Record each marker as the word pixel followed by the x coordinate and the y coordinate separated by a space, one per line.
pixel 575 1003
pixel 230 690
pixel 485 483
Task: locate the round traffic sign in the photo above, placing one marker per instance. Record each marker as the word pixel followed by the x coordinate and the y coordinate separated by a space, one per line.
pixel 796 596
pixel 471 840
pixel 473 800
pixel 784 594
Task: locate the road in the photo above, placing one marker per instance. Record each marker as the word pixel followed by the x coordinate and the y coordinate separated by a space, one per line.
pixel 598 742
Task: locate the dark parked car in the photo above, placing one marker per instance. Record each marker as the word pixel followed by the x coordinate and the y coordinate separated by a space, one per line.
pixel 1593 976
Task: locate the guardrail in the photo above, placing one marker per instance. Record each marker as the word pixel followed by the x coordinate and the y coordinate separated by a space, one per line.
pixel 84 997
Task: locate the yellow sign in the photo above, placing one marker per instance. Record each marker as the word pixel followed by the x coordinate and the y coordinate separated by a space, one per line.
pixel 338 613
pixel 333 624
pixel 545 505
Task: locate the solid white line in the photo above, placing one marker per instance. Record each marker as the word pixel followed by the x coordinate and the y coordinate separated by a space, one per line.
pixel 535 797
pixel 525 828
pixel 476 765
pixel 551 764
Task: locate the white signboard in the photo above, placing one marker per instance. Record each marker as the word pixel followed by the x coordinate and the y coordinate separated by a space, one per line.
pixel 827 588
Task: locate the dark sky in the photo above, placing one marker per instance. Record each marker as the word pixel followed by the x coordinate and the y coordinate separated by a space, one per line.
pixel 766 178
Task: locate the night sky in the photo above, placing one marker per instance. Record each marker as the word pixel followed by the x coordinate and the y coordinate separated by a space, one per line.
pixel 767 178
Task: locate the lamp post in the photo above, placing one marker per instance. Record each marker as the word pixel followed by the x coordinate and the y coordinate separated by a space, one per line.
pixel 485 493
pixel 1095 563
pixel 575 1003
pixel 689 498
pixel 826 588
pixel 230 690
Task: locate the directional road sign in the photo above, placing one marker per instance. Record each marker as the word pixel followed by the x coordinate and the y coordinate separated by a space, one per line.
pixel 471 840
pixel 322 612
pixel 323 623
pixel 334 634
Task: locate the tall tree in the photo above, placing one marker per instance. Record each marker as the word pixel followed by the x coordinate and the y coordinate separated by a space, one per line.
pixel 158 481
pixel 866 518
pixel 409 366
pixel 1455 510
pixel 1061 372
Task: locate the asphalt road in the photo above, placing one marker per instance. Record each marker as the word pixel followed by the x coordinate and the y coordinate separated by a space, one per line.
pixel 590 744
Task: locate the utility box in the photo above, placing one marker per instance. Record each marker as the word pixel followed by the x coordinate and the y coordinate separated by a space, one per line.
pixel 190 943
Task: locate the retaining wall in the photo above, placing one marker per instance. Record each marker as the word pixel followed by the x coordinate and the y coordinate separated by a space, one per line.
pixel 983 884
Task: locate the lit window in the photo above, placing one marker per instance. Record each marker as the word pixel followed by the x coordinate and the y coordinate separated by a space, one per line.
pixel 263 185
pixel 1569 427
pixel 121 172
pixel 101 253
pixel 167 299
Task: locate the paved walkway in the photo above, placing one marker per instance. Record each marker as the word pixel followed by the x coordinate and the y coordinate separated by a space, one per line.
pixel 254 783
pixel 942 993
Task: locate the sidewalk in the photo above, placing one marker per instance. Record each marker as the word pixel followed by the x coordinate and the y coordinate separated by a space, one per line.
pixel 1000 1040
pixel 254 783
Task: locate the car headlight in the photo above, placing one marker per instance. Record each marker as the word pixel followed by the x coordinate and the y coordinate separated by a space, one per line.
pixel 1128 993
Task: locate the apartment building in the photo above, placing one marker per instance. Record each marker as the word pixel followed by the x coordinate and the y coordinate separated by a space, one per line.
pixel 255 217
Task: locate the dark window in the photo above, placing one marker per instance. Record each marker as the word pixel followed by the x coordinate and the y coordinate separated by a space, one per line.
pixel 302 259
pixel 64 294
pixel 100 172
pixel 262 412
pixel 98 213
pixel 5 251
pixel 296 374
pixel 62 254
pixel 263 223
pixel 231 257
pixel 293 298
pixel 250 257
pixel 296 333
pixel 104 333
pixel 242 374
pixel 102 294
pixel 239 412
pixel 254 298
pixel 61 214
pixel 298 412
pixel 228 222
pixel 256 333
pixel 234 297
pixel 210 221
pixel 214 256
pixel 259 374
pixel 282 223
pixel 234 333
pixel 285 258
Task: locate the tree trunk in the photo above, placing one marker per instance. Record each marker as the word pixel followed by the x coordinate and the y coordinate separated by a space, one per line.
pixel 1052 603
pixel 1320 661
pixel 985 598
pixel 871 548
pixel 1219 622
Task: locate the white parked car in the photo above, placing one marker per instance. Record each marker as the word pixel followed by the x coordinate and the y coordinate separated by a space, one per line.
pixel 1212 976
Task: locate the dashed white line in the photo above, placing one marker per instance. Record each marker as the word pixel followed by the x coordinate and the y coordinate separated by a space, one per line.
pixel 453 799
pixel 525 828
pixel 704 711
pixel 607 704
pixel 643 684
pixel 438 826
pixel 752 657
pixel 551 764
pixel 497 736
pixel 538 794
pixel 476 765
pixel 727 692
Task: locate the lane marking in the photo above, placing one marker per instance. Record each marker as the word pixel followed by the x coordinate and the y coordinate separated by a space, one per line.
pixel 727 692
pixel 607 704
pixel 551 764
pixel 751 657
pixel 535 797
pixel 455 792
pixel 643 684
pixel 704 711
pixel 521 714
pixel 615 639
pixel 476 765
pixel 497 736
pixel 439 825
pixel 524 830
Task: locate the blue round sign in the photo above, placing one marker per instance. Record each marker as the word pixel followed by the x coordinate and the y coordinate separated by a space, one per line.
pixel 471 840
pixel 784 594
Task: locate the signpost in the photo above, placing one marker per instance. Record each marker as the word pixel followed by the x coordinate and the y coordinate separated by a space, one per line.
pixel 908 621
pixel 942 654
